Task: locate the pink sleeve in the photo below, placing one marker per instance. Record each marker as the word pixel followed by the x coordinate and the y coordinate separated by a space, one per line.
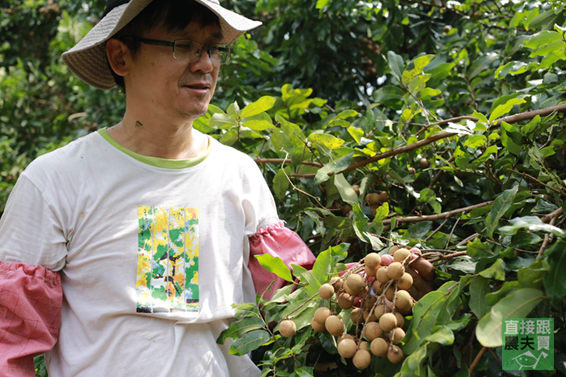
pixel 281 242
pixel 30 315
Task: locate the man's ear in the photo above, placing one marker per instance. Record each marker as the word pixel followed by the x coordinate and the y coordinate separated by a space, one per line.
pixel 117 52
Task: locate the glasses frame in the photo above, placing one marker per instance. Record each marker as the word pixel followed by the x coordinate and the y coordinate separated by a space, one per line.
pixel 222 47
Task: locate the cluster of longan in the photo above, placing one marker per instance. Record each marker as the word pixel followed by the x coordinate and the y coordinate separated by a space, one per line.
pixel 376 291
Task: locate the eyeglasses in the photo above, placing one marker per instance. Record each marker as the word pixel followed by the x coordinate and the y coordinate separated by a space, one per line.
pixel 190 51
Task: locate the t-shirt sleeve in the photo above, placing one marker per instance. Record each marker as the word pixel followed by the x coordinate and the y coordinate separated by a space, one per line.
pixel 30 230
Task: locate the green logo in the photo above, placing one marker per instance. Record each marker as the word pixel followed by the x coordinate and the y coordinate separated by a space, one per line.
pixel 528 344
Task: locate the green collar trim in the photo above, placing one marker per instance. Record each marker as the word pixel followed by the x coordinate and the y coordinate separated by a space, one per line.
pixel 156 161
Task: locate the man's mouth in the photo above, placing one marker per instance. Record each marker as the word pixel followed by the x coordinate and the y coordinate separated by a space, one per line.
pixel 198 86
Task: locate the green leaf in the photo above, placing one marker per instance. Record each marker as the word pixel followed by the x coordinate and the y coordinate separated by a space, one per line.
pixel 505 108
pixel 346 191
pixel 261 105
pixel 239 327
pixel 442 335
pixel 554 281
pixel 280 184
pixel 321 3
pixel 495 271
pixel 306 277
pixel 475 141
pixel 501 204
pixel 305 371
pixel 275 265
pixel 395 64
pixel 259 122
pixel 222 121
pixel 326 140
pixel 356 133
pixel 479 287
pixel 249 341
pixel 531 223
pixel 322 266
pixel 477 249
pixel 517 304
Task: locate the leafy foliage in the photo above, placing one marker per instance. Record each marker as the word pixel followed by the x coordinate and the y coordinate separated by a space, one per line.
pixel 428 104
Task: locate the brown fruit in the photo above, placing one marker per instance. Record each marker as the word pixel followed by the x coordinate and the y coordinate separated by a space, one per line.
pixel 362 359
pixel 370 271
pixel 336 283
pixel 423 163
pixel 321 314
pixel 356 189
pixel 363 345
pixel 405 282
pixel 372 260
pixel 394 354
pixel 390 293
pixel 345 336
pixel 345 301
pixel 326 291
pixel 357 315
pixel 396 335
pixel 403 301
pixel 379 310
pixel 400 319
pixel 393 249
pixel 355 283
pixel 379 347
pixel 383 196
pixel 347 348
pixel 334 325
pixel 317 326
pixel 372 198
pixel 287 328
pixel 387 322
pixel 377 287
pixel 371 331
pixel 395 270
pixel 412 170
pixel 401 254
pixel 381 275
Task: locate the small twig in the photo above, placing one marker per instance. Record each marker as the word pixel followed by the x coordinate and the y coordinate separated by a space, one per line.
pixel 477 359
pixel 452 232
pixel 468 239
pixel 284 161
pixel 552 215
pixel 546 238
pixel 435 231
pixel 537 181
pixel 448 256
pixel 438 216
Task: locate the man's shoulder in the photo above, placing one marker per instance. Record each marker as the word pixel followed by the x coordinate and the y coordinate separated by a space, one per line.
pixel 232 156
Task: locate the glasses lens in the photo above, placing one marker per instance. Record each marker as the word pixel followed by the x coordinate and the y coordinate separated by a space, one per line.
pixel 190 51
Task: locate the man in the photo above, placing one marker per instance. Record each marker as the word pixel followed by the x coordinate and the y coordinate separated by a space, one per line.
pixel 122 253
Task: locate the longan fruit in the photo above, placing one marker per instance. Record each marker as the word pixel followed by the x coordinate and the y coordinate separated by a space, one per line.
pixel 317 326
pixel 321 314
pixel 387 322
pixel 287 328
pixel 347 348
pixel 362 359
pixel 371 331
pixel 383 196
pixel 401 254
pixel 390 293
pixel 424 163
pixel 394 354
pixel 403 301
pixel 400 319
pixel 355 282
pixel 345 336
pixel 326 291
pixel 357 315
pixel 412 171
pixel 381 275
pixel 336 282
pixel 372 198
pixel 370 271
pixel 372 260
pixel 363 345
pixel 345 301
pixel 396 335
pixel 334 325
pixel 405 282
pixel 379 310
pixel 393 249
pixel 395 270
pixel 377 287
pixel 379 347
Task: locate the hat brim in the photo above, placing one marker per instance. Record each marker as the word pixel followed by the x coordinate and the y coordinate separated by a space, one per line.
pixel 87 59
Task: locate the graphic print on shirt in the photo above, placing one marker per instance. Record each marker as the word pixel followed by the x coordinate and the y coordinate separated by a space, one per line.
pixel 168 250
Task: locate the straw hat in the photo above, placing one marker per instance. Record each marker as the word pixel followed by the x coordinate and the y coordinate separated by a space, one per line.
pixel 88 57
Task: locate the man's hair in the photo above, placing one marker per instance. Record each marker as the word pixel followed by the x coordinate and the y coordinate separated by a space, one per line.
pixel 173 14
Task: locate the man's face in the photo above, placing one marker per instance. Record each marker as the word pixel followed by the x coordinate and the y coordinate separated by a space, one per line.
pixel 169 87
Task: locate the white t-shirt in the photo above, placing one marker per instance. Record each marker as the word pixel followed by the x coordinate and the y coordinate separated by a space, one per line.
pixel 152 255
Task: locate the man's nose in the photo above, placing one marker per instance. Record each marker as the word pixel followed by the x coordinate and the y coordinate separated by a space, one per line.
pixel 203 61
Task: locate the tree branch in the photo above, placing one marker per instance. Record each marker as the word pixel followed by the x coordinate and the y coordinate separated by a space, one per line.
pixel 438 216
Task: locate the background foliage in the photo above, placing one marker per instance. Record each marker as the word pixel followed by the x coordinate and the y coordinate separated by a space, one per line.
pixel 412 98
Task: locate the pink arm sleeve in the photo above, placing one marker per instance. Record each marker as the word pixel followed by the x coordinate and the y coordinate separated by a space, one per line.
pixel 30 315
pixel 281 242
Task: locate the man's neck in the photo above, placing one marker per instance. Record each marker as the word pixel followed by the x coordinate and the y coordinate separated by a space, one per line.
pixel 163 140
